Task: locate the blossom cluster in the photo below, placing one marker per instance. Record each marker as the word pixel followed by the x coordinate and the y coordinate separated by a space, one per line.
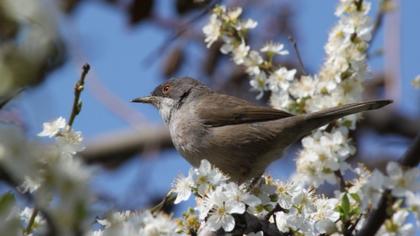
pixel 220 202
pixel 136 223
pixel 325 152
pixel 47 172
pixel 292 207
pixel 226 25
pixel 339 82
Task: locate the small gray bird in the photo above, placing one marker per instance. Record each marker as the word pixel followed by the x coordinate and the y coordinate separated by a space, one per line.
pixel 239 138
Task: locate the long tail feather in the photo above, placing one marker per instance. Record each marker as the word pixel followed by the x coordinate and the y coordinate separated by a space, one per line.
pixel 317 119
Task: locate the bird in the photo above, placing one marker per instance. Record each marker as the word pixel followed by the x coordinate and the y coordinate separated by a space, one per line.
pixel 239 138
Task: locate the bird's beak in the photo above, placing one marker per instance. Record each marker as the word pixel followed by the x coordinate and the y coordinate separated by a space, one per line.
pixel 147 99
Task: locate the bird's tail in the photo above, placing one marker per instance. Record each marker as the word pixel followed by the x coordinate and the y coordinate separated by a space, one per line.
pixel 323 117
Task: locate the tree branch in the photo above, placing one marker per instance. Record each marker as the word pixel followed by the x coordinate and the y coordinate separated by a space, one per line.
pixel 6 99
pixel 385 121
pixel 115 148
pixel 78 88
pixel 410 159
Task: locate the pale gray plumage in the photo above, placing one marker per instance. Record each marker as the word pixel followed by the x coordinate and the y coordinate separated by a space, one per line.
pixel 240 138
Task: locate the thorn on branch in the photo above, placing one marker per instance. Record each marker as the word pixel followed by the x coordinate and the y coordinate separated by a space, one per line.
pixel 295 47
pixel 78 88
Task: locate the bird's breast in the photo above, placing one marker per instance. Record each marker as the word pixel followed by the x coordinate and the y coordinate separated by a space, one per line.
pixel 187 136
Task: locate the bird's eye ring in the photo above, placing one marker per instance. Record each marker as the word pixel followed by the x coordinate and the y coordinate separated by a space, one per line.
pixel 165 89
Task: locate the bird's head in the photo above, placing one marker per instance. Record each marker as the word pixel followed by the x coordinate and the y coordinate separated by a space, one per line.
pixel 171 95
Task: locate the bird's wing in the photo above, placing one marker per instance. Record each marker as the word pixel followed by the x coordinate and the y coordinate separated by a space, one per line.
pixel 217 110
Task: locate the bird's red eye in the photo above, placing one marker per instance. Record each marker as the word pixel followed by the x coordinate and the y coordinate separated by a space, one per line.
pixel 165 89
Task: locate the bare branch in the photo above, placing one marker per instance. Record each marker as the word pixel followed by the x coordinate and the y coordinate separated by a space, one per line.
pixel 386 121
pixel 115 148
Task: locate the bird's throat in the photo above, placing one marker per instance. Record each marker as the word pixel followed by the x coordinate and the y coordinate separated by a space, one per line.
pixel 167 108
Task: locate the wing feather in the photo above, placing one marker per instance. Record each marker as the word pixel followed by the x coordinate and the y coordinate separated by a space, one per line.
pixel 235 111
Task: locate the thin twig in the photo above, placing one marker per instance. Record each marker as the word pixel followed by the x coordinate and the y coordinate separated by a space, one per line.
pixel 31 222
pixel 77 107
pixel 295 47
pixel 180 31
pixel 342 182
pixel 78 88
pixel 7 99
pixel 353 226
pixel 379 19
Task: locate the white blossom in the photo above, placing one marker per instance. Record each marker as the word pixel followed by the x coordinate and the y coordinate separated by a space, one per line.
pixel 274 48
pixel 303 87
pixel 30 184
pixel 183 187
pixel 232 14
pixel 401 181
pixel 281 78
pixel 221 210
pixel 246 25
pixel 206 177
pixel 240 53
pixel 372 189
pixel 253 62
pixel 326 215
pixel 138 223
pixel 416 82
pixel 413 204
pixel 51 129
pixel 212 30
pixel 397 226
pixel 281 221
pixel 259 83
pixel 240 195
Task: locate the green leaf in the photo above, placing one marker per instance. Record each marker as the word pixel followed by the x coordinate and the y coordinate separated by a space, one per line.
pixel 6 201
pixel 345 205
pixel 355 211
pixel 356 197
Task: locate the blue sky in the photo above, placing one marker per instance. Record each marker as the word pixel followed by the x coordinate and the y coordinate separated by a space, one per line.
pixel 100 35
